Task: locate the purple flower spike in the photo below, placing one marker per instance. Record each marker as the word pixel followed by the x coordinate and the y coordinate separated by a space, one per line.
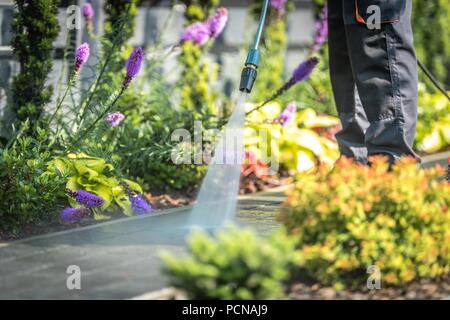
pixel 114 119
pixel 321 29
pixel 302 73
pixel 198 33
pixel 134 65
pixel 81 56
pixel 88 11
pixel 218 22
pixel 288 115
pixel 73 215
pixel 87 199
pixel 139 205
pixel 304 70
pixel 278 5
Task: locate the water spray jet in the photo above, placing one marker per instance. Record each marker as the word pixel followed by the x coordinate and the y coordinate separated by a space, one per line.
pixel 217 198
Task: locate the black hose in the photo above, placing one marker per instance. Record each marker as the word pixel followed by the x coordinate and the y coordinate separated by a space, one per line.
pixel 433 79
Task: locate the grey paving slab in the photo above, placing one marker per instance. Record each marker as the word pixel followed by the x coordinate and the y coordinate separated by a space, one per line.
pixel 118 260
pixel 432 160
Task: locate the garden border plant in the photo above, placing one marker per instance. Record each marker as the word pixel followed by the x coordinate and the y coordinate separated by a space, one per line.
pixel 91 182
pixel 35 27
pixel 223 268
pixel 357 216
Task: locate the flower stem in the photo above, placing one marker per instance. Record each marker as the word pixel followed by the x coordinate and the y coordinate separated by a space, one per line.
pixel 93 88
pixel 58 107
pixel 101 116
pixel 278 93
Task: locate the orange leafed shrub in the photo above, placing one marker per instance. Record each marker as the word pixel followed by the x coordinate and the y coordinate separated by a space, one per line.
pixel 356 216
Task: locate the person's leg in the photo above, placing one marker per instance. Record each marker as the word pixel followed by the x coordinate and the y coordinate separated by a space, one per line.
pixel 385 71
pixel 353 119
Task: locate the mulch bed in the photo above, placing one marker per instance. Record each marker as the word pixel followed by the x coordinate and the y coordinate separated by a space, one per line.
pixel 423 289
pixel 167 201
pixel 419 290
pixel 252 184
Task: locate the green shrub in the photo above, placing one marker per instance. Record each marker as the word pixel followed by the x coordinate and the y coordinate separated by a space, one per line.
pixel 148 158
pixel 196 81
pixel 27 193
pixel 432 36
pixel 235 265
pixel 164 176
pixel 197 93
pixel 433 127
pixel 356 216
pixel 35 27
pixel 144 143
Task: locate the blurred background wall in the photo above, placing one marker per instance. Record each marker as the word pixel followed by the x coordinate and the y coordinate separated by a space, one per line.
pixel 151 18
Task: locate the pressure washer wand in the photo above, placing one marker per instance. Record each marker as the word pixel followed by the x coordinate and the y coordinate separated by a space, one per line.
pixel 250 72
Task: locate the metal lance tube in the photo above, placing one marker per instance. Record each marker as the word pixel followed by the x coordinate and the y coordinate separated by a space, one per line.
pixel 250 72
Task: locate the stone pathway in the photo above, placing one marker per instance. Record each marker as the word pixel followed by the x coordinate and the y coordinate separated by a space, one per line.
pixel 118 259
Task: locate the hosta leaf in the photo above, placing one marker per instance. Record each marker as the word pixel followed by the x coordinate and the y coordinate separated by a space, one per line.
pixel 97 164
pixel 305 116
pixel 104 192
pixel 122 200
pixel 432 142
pixel 310 119
pixel 305 161
pixel 72 184
pixel 133 185
pixel 63 167
pixel 82 169
pixel 84 182
pixel 308 139
pixel 445 132
pixel 107 181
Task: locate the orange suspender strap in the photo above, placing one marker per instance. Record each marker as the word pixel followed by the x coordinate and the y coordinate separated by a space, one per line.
pixel 358 17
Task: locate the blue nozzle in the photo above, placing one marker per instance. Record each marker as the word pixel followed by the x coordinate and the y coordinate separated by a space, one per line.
pixel 253 58
pixel 249 73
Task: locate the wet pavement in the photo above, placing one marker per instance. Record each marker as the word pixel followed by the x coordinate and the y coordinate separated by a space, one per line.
pixel 117 260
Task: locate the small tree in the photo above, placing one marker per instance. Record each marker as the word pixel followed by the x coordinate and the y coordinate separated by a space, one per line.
pixel 35 27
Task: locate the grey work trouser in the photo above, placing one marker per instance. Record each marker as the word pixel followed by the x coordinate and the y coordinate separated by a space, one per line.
pixel 374 76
